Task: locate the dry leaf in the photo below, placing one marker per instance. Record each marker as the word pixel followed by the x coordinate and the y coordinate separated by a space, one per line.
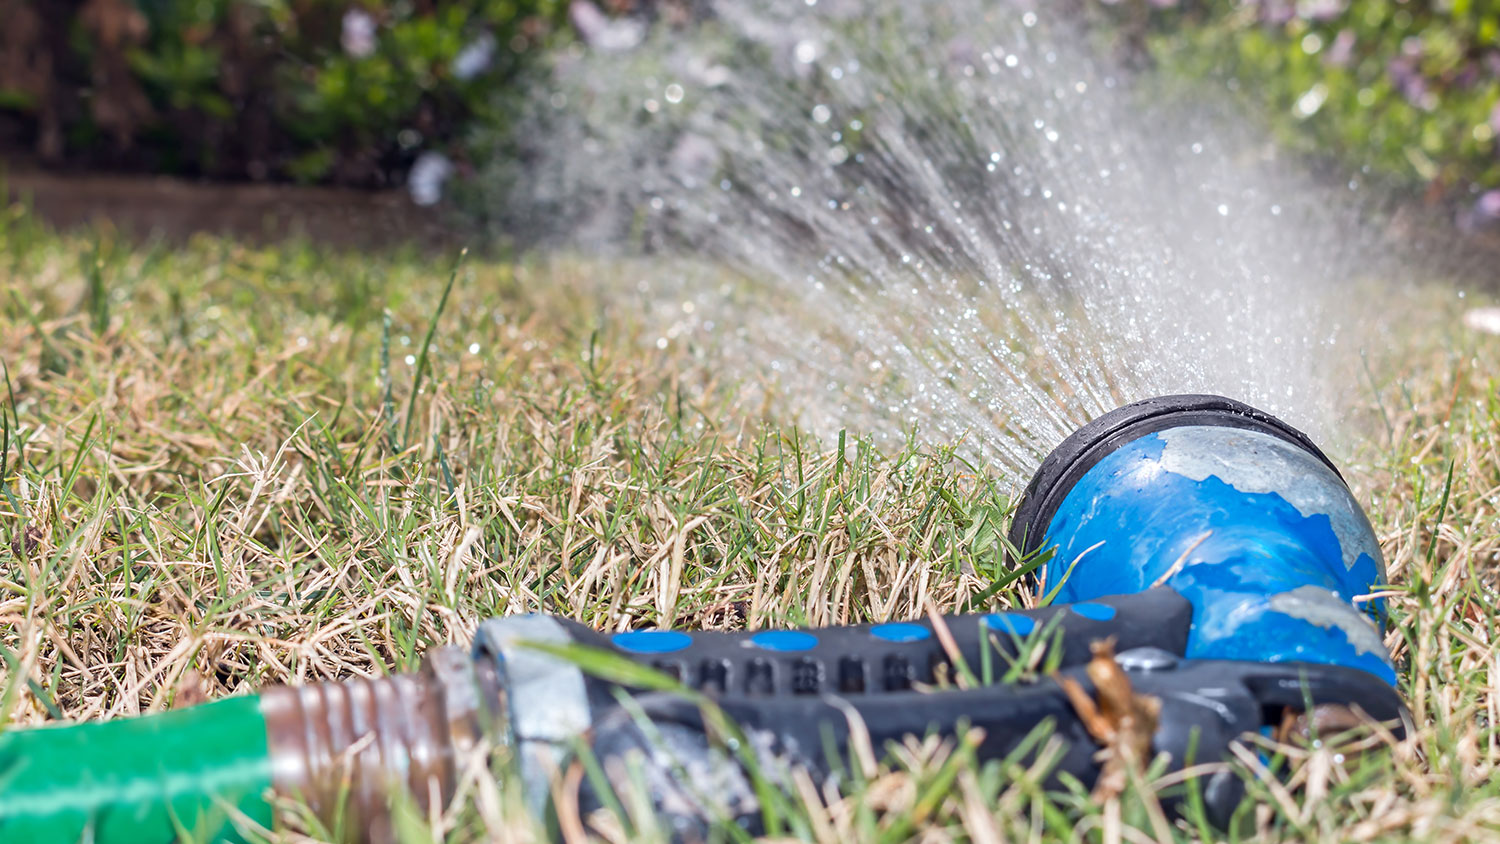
pixel 1327 720
pixel 1121 721
pixel 192 690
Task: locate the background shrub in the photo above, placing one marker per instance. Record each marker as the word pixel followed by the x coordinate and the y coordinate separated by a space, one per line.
pixel 352 91
pixel 1408 88
pixel 308 90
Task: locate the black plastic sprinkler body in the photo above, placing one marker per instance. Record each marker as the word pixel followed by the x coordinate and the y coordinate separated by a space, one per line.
pixel 1216 545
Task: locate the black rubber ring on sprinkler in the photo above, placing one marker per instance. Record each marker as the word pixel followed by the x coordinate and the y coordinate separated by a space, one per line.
pixel 1084 448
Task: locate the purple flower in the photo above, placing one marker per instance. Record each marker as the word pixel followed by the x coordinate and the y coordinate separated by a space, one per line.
pixel 1277 11
pixel 358 33
pixel 601 32
pixel 1407 79
pixel 1492 62
pixel 1322 10
pixel 476 56
pixel 428 173
pixel 1483 214
pixel 1420 94
pixel 1341 50
pixel 1468 76
pixel 1400 70
pixel 1488 205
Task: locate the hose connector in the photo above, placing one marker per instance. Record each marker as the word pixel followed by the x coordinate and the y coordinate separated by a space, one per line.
pixel 348 748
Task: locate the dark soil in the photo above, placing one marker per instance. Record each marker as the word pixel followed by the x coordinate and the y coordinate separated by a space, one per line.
pixel 159 207
pixel 147 207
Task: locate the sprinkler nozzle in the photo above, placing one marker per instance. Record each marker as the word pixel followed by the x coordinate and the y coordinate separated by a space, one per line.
pixel 1236 510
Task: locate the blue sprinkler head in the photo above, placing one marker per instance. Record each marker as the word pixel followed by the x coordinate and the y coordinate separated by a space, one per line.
pixel 1235 509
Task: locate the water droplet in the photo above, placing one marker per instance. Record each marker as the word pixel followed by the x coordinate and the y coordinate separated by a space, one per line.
pixel 1310 102
pixel 908 289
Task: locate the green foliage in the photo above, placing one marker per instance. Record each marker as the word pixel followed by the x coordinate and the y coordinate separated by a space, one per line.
pixel 1407 87
pixel 279 88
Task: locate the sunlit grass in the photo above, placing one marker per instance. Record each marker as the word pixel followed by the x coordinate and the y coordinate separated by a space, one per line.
pixel 217 475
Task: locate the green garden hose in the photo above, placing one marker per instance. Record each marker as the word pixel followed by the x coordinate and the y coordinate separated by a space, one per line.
pixel 194 774
pixel 210 773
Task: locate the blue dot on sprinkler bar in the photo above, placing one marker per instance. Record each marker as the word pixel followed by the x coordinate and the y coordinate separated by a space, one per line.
pixel 1010 622
pixel 784 640
pixel 651 641
pixel 900 632
pixel 1095 612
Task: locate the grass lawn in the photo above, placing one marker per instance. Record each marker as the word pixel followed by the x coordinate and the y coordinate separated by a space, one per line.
pixel 226 467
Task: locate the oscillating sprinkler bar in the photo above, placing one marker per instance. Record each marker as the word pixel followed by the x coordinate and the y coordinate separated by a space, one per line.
pixel 1216 547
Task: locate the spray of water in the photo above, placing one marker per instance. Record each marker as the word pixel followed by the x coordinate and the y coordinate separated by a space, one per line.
pixel 950 217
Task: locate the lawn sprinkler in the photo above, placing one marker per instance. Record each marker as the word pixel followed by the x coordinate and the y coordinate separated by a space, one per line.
pixel 1205 555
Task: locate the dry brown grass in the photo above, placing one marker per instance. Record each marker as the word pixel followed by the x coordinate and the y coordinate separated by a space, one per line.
pixel 212 483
